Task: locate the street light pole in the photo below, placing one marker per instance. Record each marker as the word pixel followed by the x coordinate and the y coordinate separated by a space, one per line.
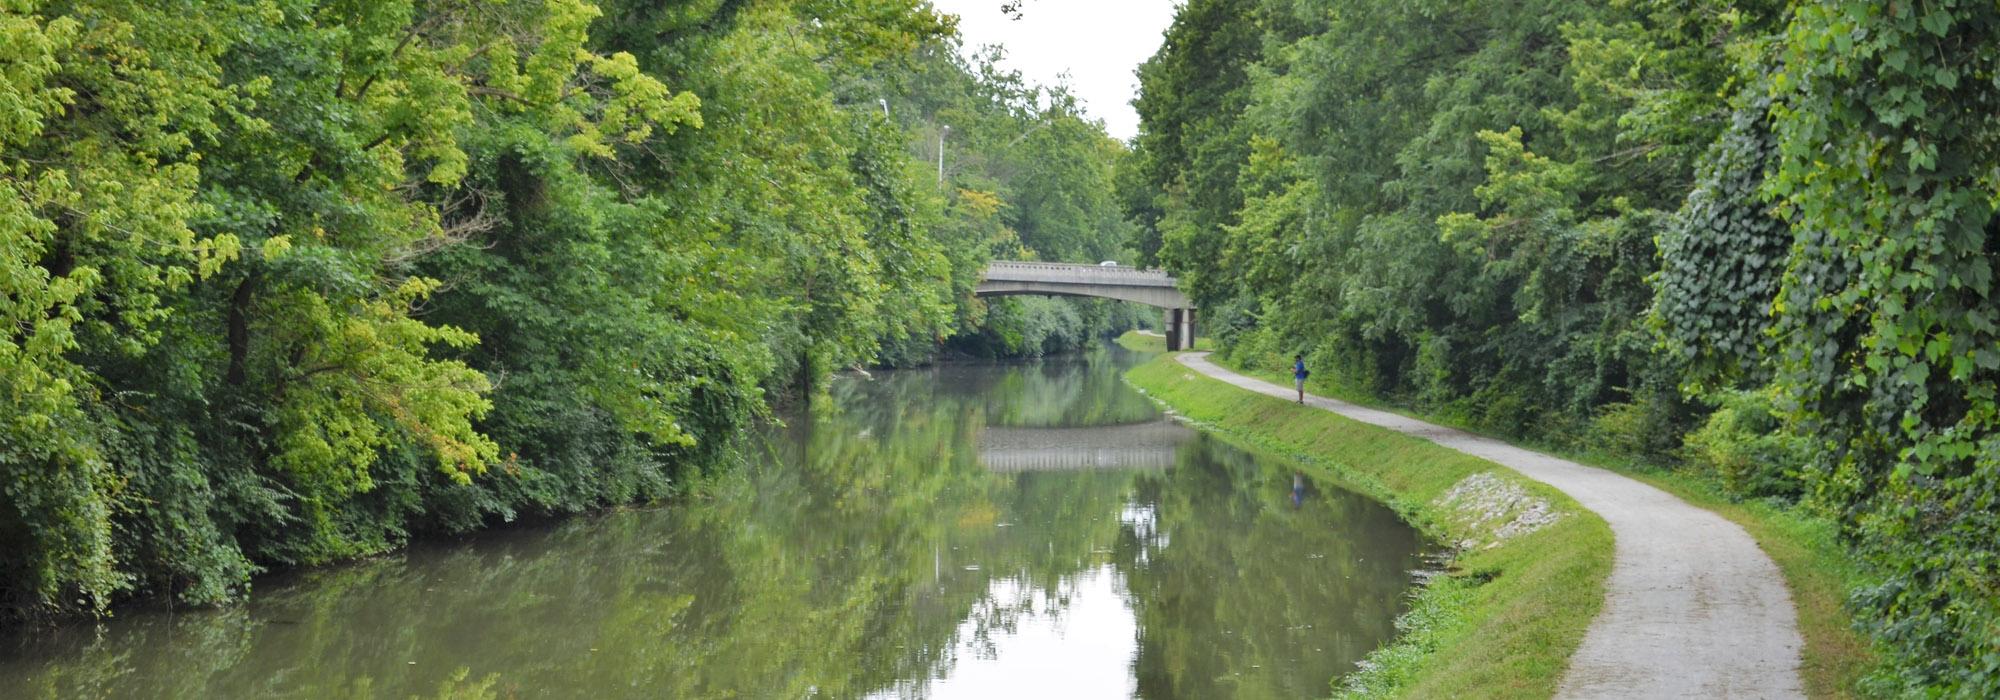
pixel 941 135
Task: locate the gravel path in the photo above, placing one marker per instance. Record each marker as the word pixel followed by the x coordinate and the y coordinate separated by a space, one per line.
pixel 1692 608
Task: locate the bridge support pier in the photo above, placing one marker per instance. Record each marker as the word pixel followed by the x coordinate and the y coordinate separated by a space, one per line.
pixel 1180 329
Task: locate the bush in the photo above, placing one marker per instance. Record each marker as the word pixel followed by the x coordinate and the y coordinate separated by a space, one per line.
pixel 1432 375
pixel 1620 428
pixel 1503 413
pixel 1256 347
pixel 1747 448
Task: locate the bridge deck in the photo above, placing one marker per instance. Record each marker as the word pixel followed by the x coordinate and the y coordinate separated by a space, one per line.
pixel 1071 273
pixel 1153 288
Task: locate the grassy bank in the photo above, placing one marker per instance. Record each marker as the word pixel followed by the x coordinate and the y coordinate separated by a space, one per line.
pixel 1505 620
pixel 1817 568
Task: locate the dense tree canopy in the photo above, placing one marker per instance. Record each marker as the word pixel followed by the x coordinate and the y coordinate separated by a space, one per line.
pixel 1596 223
pixel 291 281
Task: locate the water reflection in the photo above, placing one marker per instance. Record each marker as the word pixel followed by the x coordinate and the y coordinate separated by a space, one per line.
pixel 1076 645
pixel 927 539
pixel 1150 445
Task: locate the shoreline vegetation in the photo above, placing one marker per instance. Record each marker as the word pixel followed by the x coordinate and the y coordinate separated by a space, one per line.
pixel 1746 242
pixel 1817 569
pixel 294 284
pixel 291 288
pixel 1504 619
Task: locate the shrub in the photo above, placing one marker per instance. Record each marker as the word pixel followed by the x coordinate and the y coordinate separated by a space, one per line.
pixel 1432 375
pixel 1745 446
pixel 1256 347
pixel 1620 428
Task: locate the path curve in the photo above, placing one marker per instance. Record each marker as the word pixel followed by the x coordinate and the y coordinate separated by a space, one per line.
pixel 1692 608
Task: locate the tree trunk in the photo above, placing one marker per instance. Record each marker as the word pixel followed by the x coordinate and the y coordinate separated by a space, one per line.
pixel 239 329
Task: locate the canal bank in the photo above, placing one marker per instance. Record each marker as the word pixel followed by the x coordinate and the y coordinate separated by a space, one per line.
pixel 1529 575
pixel 1815 567
pixel 967 530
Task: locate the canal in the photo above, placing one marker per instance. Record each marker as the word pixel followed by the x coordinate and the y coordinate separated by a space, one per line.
pixel 966 531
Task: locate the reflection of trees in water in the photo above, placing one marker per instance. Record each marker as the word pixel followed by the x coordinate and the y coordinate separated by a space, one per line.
pixel 1241 595
pixel 1067 391
pixel 1057 393
pixel 835 574
pixel 835 568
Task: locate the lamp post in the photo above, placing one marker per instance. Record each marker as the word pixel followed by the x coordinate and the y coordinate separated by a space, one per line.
pixel 941 135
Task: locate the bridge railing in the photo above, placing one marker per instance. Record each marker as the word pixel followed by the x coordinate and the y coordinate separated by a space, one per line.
pixel 1013 271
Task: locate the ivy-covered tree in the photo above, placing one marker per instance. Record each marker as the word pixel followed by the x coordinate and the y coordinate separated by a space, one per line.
pixel 1592 223
pixel 1887 334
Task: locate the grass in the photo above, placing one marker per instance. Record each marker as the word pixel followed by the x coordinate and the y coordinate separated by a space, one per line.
pixel 1506 619
pixel 1817 568
pixel 1151 341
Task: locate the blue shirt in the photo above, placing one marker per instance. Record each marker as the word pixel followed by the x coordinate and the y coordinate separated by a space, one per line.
pixel 1299 369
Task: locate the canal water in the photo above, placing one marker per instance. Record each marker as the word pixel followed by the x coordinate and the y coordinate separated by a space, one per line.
pixel 1029 530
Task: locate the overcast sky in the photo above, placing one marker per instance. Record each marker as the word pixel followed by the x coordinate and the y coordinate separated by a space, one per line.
pixel 1099 43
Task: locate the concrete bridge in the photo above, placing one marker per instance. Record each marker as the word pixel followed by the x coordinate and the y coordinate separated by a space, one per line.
pixel 1151 445
pixel 1150 287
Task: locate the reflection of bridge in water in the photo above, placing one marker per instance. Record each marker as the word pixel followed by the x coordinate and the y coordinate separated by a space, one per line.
pixel 1149 445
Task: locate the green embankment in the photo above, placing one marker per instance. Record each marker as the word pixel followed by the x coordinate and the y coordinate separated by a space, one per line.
pixel 1505 620
pixel 1817 568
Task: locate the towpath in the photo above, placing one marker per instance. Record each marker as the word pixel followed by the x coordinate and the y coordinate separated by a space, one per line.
pixel 1693 608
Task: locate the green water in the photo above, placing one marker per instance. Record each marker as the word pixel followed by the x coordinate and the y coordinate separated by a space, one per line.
pixel 982 531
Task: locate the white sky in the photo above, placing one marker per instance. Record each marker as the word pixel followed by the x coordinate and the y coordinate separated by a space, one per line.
pixel 1099 43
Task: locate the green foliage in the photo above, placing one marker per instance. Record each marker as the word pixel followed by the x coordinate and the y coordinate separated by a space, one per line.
pixel 1455 232
pixel 1724 253
pixel 1747 448
pixel 1191 142
pixel 99 180
pixel 1600 221
pixel 1031 326
pixel 1886 329
pixel 1619 428
pixel 1432 375
pixel 293 281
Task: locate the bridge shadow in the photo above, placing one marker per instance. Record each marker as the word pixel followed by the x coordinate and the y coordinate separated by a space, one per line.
pixel 1151 445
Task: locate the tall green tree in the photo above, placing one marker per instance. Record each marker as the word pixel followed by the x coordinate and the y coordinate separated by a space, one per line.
pixel 1886 332
pixel 1192 140
pixel 1594 222
pixel 101 184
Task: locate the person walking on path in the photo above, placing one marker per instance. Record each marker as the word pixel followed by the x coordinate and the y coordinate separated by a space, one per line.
pixel 1299 375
